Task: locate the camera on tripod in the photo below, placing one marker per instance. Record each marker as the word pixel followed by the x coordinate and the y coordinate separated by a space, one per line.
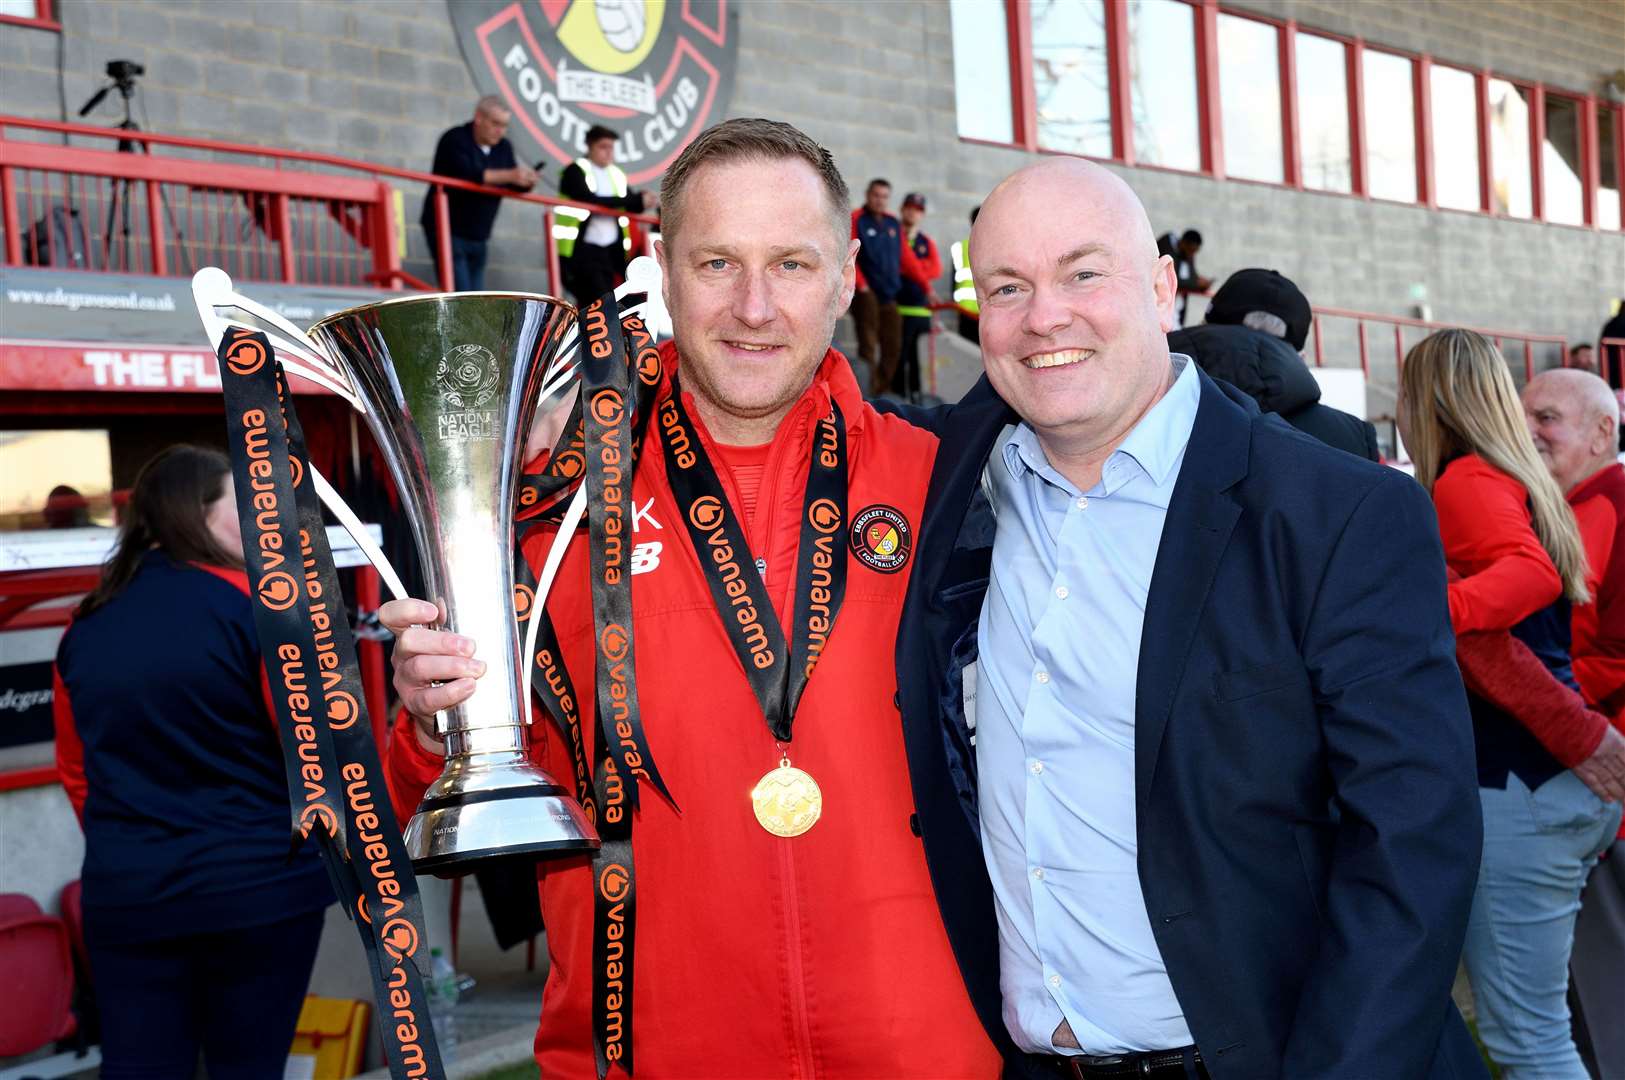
pixel 124 73
pixel 59 238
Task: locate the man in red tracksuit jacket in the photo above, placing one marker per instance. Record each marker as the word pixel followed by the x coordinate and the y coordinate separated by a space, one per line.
pixel 756 955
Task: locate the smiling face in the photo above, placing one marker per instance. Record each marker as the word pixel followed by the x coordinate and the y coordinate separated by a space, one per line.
pixel 1572 416
pixel 755 278
pixel 1073 313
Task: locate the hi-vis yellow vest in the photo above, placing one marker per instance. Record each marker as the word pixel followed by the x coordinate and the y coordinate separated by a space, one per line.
pixel 567 220
pixel 964 287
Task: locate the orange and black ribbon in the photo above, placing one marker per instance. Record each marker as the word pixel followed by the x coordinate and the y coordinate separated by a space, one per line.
pixel 335 776
pixel 777 675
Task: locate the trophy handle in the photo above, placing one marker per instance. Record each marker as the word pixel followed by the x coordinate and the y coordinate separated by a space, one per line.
pixel 642 276
pixel 550 569
pixel 213 291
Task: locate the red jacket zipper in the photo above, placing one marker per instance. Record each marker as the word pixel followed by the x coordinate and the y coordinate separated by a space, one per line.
pixel 772 476
pixel 767 498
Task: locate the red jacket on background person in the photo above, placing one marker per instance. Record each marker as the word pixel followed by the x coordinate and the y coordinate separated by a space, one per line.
pixel 821 955
pixel 923 271
pixel 1599 627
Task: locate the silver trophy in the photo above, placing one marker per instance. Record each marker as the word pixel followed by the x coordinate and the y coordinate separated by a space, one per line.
pixel 451 385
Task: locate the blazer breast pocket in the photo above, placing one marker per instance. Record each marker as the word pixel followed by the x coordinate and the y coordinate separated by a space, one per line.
pixel 1258 681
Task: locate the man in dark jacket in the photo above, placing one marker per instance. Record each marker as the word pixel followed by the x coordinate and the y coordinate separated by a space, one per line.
pixel 1253 339
pixel 1219 815
pixel 477 152
pixel 880 276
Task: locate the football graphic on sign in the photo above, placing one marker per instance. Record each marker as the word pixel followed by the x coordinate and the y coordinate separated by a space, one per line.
pixel 622 22
pixel 658 72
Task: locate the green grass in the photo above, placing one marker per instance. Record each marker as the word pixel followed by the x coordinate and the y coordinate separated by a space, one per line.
pixel 527 1071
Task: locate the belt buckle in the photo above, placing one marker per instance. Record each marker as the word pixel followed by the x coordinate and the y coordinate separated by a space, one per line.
pixel 1077 1063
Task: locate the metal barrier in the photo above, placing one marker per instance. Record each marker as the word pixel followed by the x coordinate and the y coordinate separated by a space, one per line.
pixel 304 218
pixel 1351 331
pixel 1399 324
pixel 1609 351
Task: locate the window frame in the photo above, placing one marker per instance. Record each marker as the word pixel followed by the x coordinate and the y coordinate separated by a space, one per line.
pixel 1210 120
pixel 1481 137
pixel 1421 138
pixel 1586 148
pixel 44 17
pixel 1286 88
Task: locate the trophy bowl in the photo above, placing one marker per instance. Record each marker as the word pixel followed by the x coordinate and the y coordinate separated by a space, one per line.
pixel 450 385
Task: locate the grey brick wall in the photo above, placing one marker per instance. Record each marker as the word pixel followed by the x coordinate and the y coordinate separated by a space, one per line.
pixel 874 81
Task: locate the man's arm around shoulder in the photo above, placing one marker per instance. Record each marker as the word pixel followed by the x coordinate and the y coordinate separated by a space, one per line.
pixel 1399 747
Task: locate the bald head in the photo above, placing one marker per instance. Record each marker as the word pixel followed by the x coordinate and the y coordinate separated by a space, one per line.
pixel 1075 304
pixel 1063 184
pixel 1574 418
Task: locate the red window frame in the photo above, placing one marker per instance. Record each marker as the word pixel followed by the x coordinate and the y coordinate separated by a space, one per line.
pixel 1210 117
pixel 44 17
pixel 1587 150
pixel 1419 120
pixel 1616 114
pixel 1481 136
pixel 1286 86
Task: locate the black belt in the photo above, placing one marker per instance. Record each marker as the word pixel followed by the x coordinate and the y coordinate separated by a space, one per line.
pixel 1159 1064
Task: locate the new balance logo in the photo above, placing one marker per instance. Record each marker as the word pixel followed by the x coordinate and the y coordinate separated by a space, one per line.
pixel 645 557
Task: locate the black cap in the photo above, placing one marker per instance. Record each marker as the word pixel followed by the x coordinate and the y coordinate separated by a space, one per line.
pixel 914 198
pixel 1263 290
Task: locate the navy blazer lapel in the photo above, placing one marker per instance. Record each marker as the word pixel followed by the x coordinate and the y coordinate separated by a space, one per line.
pixel 974 426
pixel 1201 516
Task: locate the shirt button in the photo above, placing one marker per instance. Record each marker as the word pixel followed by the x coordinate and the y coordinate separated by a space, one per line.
pixel 1038 768
pixel 1083 502
pixel 1061 592
pixel 1055 980
pixel 1043 676
pixel 1038 873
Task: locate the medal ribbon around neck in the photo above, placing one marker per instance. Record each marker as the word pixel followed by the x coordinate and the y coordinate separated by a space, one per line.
pixel 777 674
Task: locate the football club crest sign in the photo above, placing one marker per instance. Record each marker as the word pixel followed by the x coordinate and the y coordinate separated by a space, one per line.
pixel 657 71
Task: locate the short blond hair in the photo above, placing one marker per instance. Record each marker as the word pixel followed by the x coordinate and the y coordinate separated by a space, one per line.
pixel 751 139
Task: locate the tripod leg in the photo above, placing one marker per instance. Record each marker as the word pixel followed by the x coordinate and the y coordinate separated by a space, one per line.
pixel 107 229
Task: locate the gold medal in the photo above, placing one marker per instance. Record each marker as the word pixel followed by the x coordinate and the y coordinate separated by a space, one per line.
pixel 787 801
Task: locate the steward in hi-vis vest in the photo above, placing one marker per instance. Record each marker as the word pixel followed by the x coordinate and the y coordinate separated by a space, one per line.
pixel 594 246
pixel 965 286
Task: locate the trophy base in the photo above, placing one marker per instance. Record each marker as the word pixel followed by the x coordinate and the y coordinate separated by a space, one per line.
pixel 463 823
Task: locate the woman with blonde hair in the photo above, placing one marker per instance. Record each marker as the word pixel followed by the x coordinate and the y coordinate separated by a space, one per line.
pixel 1517 563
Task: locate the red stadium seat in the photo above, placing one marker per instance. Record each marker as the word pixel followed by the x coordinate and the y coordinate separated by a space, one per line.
pixel 36 977
pixel 17 906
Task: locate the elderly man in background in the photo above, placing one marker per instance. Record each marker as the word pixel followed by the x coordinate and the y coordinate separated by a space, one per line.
pixel 477 152
pixel 1574 418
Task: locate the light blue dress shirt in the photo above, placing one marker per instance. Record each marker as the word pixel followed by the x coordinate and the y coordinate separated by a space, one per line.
pixel 1059 644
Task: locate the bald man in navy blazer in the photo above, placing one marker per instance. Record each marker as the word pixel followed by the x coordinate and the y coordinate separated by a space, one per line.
pixel 1191 756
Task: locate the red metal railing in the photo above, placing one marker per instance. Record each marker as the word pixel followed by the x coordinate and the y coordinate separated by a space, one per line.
pixel 262 213
pixel 1524 342
pixel 1353 334
pixel 1609 350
